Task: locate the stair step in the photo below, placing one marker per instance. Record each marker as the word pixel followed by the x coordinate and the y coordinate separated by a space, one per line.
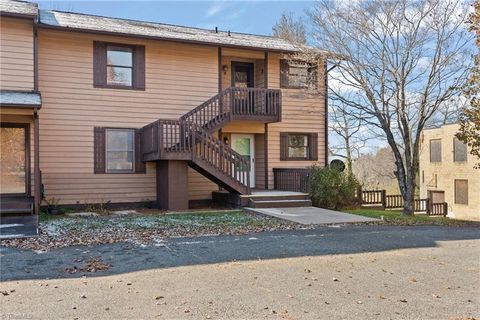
pixel 303 196
pixel 279 203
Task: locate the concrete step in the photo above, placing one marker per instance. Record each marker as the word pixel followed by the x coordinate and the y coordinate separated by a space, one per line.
pixel 280 197
pixel 283 203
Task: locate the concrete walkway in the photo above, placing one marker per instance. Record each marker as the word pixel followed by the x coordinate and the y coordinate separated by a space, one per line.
pixel 312 215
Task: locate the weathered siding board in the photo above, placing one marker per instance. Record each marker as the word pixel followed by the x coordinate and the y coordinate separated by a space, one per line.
pixel 178 78
pixel 259 161
pixel 16 54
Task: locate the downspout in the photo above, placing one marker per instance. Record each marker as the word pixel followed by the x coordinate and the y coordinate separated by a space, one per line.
pixel 326 107
pixel 265 134
pixel 36 136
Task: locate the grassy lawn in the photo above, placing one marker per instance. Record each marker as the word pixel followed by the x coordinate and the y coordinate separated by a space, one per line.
pixel 150 227
pixel 228 219
pixel 395 217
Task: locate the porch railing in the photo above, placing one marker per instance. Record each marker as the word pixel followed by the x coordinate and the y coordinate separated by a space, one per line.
pixel 292 179
pixel 180 140
pixel 237 103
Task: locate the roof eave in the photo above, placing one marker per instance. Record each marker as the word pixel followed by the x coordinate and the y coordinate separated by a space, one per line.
pixel 22 106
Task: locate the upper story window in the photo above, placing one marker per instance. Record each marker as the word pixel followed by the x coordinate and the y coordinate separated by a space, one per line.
pixel 459 151
pixel 436 150
pixel 298 146
pixel 298 74
pixel 118 66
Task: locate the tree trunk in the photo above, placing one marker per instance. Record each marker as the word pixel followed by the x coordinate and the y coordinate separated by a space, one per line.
pixel 409 199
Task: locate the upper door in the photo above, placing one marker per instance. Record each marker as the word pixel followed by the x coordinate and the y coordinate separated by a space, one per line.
pixel 242 75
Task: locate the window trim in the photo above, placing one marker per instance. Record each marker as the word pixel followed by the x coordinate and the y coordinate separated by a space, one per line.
pixel 455 192
pixel 307 147
pixel 285 73
pixel 132 67
pixel 100 50
pixel 100 152
pixel 132 131
pixel 312 151
pixel 430 149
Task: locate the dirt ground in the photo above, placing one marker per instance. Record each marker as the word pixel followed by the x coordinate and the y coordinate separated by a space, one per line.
pixel 437 282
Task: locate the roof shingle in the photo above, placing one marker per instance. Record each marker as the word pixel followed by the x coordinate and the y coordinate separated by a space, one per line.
pixel 21 8
pixel 20 98
pixel 76 21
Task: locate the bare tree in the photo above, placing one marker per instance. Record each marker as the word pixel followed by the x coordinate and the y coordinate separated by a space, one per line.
pixel 290 28
pixel 470 115
pixel 403 59
pixel 350 132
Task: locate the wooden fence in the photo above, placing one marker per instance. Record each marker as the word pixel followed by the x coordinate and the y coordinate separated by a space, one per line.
pixel 380 198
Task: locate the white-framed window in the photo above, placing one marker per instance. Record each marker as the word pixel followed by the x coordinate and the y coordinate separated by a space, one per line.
pixel 120 66
pixel 120 150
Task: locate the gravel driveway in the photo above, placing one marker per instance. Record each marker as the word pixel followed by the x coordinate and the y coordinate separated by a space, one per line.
pixel 353 272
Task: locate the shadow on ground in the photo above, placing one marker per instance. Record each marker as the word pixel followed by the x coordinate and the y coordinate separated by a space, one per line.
pixel 123 257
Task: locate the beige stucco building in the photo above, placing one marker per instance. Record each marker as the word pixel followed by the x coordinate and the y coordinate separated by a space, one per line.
pixel 447 173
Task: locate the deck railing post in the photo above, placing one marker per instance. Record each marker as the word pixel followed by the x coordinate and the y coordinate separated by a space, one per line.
pixel 384 199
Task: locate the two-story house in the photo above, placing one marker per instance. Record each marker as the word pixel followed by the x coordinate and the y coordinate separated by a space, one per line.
pixel 97 109
pixel 447 173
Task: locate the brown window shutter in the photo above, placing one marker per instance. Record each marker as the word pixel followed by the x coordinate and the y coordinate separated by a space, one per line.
pixel 313 146
pixel 99 64
pixel 283 146
pixel 283 73
pixel 139 67
pixel 99 150
pixel 140 166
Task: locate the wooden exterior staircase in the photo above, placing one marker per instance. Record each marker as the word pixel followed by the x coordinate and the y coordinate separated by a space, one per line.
pixel 191 138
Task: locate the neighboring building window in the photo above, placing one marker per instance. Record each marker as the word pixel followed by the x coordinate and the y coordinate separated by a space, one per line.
pixel 117 151
pixel 298 74
pixel 298 146
pixel 459 151
pixel 436 150
pixel 461 191
pixel 118 66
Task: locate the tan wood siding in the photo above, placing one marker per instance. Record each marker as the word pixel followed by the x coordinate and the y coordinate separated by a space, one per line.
pixel 302 111
pixel 16 54
pixel 179 77
pixel 259 161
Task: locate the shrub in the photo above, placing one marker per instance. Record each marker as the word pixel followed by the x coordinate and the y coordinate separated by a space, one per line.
pixel 331 188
